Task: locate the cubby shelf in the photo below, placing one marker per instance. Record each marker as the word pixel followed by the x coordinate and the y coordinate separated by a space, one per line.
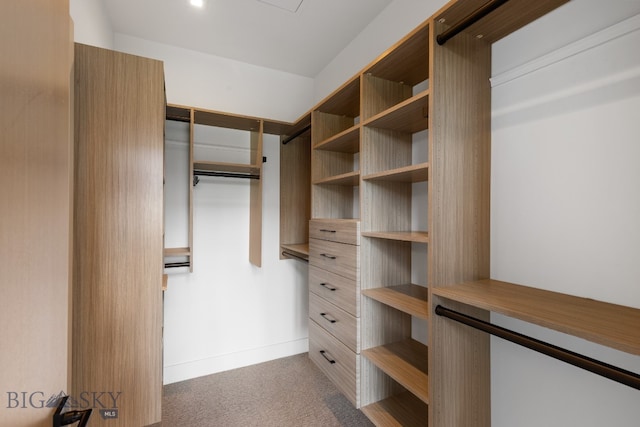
pixel 412 173
pixel 408 116
pixel 349 179
pixel 404 236
pixel 410 298
pixel 171 252
pixel 403 409
pixel 406 362
pixel 347 141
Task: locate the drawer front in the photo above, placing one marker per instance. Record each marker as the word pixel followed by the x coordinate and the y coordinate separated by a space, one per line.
pixel 336 321
pixel 338 290
pixel 335 230
pixel 335 257
pixel 340 364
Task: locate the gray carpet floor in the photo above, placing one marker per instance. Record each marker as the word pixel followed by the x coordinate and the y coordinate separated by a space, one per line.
pixel 285 392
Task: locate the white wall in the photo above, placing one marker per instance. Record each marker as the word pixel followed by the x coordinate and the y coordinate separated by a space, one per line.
pixel 227 313
pixel 91 24
pixel 566 202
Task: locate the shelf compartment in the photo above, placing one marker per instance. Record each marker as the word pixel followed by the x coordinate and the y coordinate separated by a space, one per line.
pixel 612 325
pixel 295 250
pixel 410 298
pixel 402 410
pixel 347 141
pixel 349 179
pixel 406 362
pixel 405 236
pixel 412 173
pixel 409 116
pixel 407 61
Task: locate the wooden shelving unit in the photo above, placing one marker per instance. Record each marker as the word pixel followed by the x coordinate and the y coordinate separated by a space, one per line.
pixel 410 298
pixel 404 236
pixel 252 169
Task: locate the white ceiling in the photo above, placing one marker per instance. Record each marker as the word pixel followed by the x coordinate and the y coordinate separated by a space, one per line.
pixel 259 32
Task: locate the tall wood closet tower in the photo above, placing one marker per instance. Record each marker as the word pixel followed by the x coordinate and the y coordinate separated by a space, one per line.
pixel 400 177
pixel 118 246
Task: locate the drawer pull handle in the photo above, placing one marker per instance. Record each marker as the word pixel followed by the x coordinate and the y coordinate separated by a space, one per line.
pixel 326 285
pixel 324 230
pixel 329 359
pixel 328 319
pixel 329 256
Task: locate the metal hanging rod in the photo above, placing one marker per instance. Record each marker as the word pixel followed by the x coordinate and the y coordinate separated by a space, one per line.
pixel 295 135
pixel 225 174
pixel 469 20
pixel 177 264
pixel 611 372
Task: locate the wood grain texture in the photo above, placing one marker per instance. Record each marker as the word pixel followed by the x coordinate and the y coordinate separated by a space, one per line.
pixel 335 230
pixel 295 191
pixel 339 323
pixel 380 94
pixel 402 410
pixel 608 324
pixel 36 172
pixel 459 179
pixel 411 299
pixel 406 362
pixel 409 116
pixel 345 371
pixel 255 200
pixel 339 258
pixel 412 173
pixel 336 289
pixel 117 318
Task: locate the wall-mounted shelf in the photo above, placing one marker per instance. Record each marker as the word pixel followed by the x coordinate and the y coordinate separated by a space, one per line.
pixel 412 173
pixel 608 324
pixel 411 299
pixel 404 236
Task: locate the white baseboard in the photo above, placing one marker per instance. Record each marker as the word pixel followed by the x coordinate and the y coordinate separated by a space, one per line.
pixel 225 362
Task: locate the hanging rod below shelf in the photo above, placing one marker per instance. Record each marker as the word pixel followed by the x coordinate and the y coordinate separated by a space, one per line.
pixel 611 372
pixel 225 174
pixel 295 135
pixel 177 264
pixel 292 255
pixel 469 20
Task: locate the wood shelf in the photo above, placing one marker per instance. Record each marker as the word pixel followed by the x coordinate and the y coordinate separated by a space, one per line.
pixel 344 101
pixel 409 116
pixel 405 236
pixel 410 299
pixel 297 250
pixel 608 324
pixel 171 252
pixel 406 362
pixel 347 141
pixel 349 179
pixel 402 410
pixel 226 167
pixel 412 173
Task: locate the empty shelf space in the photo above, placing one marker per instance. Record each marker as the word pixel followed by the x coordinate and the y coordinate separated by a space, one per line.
pixel 347 141
pixel 412 173
pixel 406 362
pixel 604 323
pixel 349 179
pixel 408 116
pixel 404 410
pixel 405 236
pixel 411 299
pixel 226 167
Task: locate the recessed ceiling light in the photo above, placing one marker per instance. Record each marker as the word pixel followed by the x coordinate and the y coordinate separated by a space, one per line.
pixel 197 3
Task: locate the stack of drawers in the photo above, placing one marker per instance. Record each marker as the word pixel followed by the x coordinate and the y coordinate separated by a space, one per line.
pixel 334 302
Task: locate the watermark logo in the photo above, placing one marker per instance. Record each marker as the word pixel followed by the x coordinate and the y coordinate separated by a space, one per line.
pixel 104 402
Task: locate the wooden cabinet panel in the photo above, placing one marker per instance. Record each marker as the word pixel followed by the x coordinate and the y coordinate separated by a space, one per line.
pixel 339 363
pixel 337 257
pixel 338 290
pixel 335 230
pixel 336 321
pixel 118 247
